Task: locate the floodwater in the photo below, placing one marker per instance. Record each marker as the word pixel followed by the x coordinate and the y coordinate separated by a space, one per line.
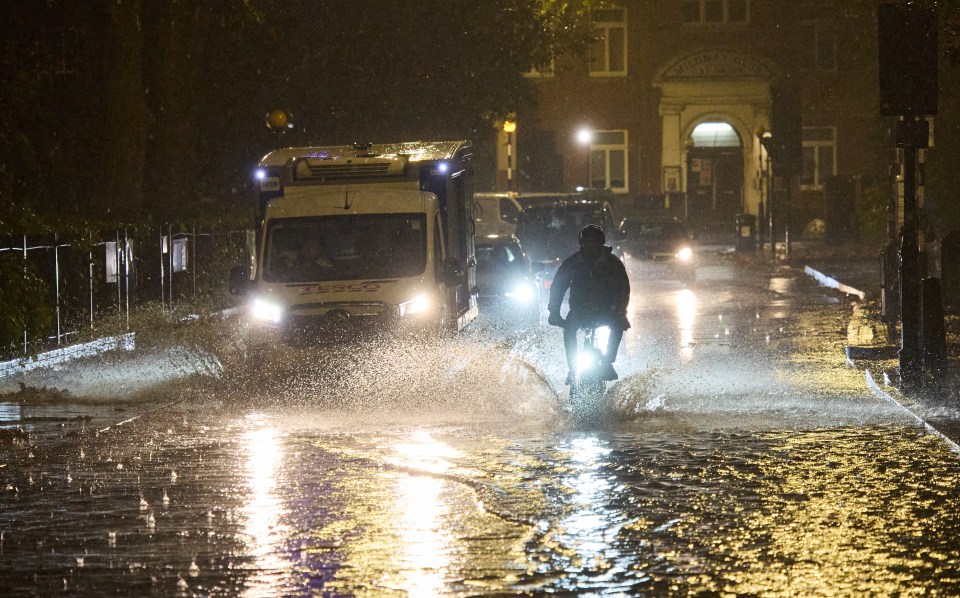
pixel 736 455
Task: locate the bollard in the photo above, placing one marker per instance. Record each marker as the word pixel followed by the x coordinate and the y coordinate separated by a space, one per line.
pixel 932 330
pixel 889 285
pixel 911 358
pixel 950 271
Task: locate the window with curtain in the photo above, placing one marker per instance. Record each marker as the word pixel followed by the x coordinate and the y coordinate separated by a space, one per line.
pixel 714 11
pixel 608 160
pixel 608 54
pixel 819 156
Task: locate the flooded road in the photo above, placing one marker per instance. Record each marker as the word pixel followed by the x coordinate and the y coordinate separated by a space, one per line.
pixel 735 455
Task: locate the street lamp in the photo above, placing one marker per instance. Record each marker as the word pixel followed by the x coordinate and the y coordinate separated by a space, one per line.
pixel 585 138
pixel 509 127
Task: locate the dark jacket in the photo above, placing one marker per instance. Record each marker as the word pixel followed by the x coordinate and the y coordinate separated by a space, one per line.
pixel 599 290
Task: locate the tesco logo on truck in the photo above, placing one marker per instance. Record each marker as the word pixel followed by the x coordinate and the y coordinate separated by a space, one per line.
pixel 342 287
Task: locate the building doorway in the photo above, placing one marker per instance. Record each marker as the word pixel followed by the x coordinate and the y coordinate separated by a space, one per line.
pixel 715 176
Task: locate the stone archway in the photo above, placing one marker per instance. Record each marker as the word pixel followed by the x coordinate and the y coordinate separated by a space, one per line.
pixel 715 85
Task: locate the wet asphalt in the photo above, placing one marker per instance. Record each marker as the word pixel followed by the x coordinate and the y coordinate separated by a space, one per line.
pixel 737 454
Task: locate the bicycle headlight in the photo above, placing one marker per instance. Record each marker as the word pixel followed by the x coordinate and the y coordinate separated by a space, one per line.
pixel 685 254
pixel 586 360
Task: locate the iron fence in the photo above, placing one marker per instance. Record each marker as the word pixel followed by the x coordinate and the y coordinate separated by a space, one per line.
pixel 61 288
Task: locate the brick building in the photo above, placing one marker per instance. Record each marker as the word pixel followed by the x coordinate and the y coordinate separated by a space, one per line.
pixel 667 108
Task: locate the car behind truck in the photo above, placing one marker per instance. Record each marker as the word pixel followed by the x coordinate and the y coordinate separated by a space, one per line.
pixel 373 233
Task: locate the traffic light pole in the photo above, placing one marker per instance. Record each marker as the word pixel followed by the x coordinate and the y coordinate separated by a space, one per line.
pixel 911 135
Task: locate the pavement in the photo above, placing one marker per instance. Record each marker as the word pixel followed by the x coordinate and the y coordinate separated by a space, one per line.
pixel 873 346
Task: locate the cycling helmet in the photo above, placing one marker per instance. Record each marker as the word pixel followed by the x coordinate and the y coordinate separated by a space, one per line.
pixel 592 232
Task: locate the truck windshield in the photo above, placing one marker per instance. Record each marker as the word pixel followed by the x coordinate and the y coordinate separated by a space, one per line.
pixel 352 247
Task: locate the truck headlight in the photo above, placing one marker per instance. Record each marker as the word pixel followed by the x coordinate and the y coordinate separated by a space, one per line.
pixel 685 254
pixel 417 305
pixel 522 292
pixel 265 310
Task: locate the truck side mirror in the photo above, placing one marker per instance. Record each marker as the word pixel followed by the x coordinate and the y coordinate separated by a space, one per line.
pixel 239 282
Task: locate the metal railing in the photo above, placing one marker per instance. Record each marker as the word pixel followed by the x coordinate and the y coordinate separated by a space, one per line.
pixel 90 283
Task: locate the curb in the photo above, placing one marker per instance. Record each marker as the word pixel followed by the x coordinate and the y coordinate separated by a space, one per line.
pixel 878 353
pixel 867 352
pixel 882 394
pixel 125 342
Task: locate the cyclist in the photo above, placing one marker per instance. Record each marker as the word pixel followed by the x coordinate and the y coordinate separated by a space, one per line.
pixel 599 294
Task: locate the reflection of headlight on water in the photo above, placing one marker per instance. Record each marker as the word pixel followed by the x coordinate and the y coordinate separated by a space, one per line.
pixel 522 293
pixel 264 310
pixel 685 254
pixel 417 305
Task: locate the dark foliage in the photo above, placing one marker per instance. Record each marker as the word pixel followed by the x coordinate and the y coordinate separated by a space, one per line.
pixel 120 111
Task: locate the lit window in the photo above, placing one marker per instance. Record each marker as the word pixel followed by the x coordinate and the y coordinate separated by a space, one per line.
pixel 608 160
pixel 608 54
pixel 819 156
pixel 715 11
pixel 715 134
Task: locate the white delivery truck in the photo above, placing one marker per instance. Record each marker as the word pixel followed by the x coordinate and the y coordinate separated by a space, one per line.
pixel 495 214
pixel 366 232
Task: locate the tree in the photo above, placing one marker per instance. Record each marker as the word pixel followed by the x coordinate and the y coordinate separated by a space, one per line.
pixel 125 109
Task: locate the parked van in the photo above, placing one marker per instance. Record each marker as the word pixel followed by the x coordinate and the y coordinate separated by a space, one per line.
pixel 495 213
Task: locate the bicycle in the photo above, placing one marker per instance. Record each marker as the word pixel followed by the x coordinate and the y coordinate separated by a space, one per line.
pixel 588 387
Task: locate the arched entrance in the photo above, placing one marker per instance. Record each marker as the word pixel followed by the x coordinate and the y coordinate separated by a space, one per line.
pixel 729 92
pixel 714 174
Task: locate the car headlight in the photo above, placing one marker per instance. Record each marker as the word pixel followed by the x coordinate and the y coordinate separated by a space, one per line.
pixel 685 254
pixel 417 305
pixel 267 311
pixel 521 292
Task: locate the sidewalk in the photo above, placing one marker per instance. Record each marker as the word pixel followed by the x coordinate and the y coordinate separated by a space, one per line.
pixel 120 367
pixel 874 348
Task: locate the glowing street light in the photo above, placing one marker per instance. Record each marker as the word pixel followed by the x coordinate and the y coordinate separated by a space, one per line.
pixel 585 138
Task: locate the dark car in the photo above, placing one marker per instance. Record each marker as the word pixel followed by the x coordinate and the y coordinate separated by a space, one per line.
pixel 503 269
pixel 660 242
pixel 549 231
pixel 534 198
